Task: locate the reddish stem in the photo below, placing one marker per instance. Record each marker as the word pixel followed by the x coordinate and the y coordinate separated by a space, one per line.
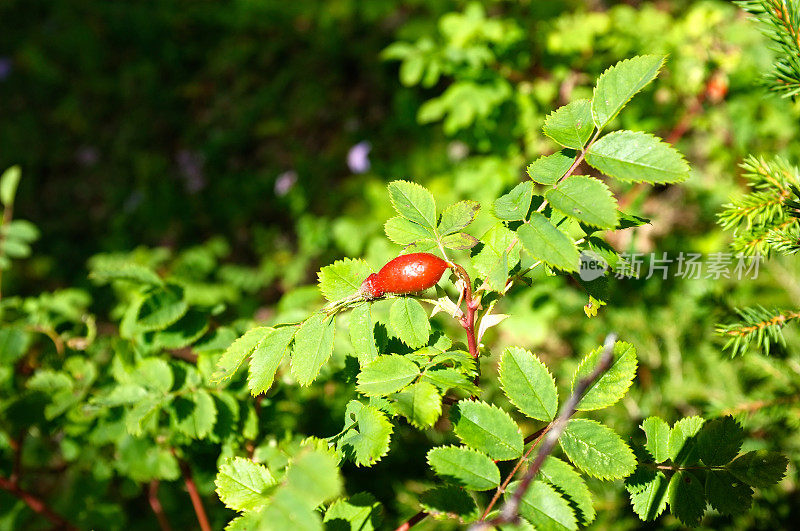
pixel 155 504
pixel 197 503
pixel 36 504
pixel 414 520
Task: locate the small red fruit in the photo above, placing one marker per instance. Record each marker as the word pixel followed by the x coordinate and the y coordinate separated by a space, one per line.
pixel 405 274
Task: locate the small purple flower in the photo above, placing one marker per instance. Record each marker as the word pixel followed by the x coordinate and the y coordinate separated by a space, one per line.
pixel 190 165
pixel 87 156
pixel 5 68
pixel 358 157
pixel 285 182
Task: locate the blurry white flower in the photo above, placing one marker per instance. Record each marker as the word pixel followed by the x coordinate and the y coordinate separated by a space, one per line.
pixel 285 182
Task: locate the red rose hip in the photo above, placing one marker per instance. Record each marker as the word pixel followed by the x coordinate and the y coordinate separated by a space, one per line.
pixel 405 274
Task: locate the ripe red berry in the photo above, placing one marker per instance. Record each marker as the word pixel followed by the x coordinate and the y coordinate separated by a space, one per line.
pixel 405 274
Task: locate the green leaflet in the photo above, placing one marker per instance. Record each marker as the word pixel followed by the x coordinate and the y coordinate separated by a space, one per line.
pixel 404 232
pixel 545 508
pixel 449 500
pixel 686 497
pixel 528 384
pixel 570 125
pixel 236 353
pixel 362 333
pixel 514 205
pixel 648 492
pixel 759 468
pixel 657 432
pixel 267 357
pixel 161 307
pixel 619 83
pixel 459 241
pixel 360 512
pixel 487 428
pixel 313 345
pixel 242 484
pixel 719 441
pixel 586 199
pixel 414 203
pixel 367 438
pixel 342 278
pixel 457 216
pixel 597 449
pixel 196 415
pixel 386 374
pixel 613 384
pixel 546 243
pixel 465 467
pixel 183 332
pixel 9 181
pixel 410 322
pixel 549 169
pixel 572 486
pixel 637 157
pixel 683 441
pixel 726 494
pixel 494 261
pixel 420 403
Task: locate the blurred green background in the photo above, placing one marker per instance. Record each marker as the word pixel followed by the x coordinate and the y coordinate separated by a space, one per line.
pixel 230 139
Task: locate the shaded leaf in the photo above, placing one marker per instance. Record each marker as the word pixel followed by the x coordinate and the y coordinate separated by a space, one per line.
pixel 409 322
pixel 586 199
pixel 545 508
pixel 547 243
pixel 514 205
pixel 420 403
pixel 719 441
pixel 597 449
pixel 572 486
pixel 451 501
pixel 657 432
pixel 759 468
pixel 687 498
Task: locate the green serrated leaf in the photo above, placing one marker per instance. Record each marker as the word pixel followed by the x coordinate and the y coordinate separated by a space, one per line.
pixel 657 431
pixel 404 232
pixel 544 507
pixel 488 429
pixel 236 353
pixel 719 441
pixel 495 260
pixel 459 241
pixel 451 501
pixel 314 474
pixel 528 384
pixel 183 332
pixel 648 492
pixel 342 278
pixel 586 199
pixel 161 308
pixel 570 125
pixel 687 499
pixel 727 494
pixel 637 157
pixel 514 205
pixel 759 468
pixel 572 486
pixel 131 272
pixel 546 243
pixel 620 83
pixel 414 203
pixel 409 322
pixel 362 333
pixel 313 346
pixel 597 449
pixel 420 403
pixel 549 169
pixel 196 415
pixel 613 384
pixel 386 375
pixel 367 440
pixel 9 181
pixel 465 467
pixel 267 357
pixel 449 378
pixel 359 512
pixel 683 441
pixel 458 216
